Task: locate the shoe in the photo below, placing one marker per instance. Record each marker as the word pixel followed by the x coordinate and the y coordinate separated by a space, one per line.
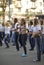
pixel 7 47
pixel 31 49
pixel 36 60
pixel 24 55
pixel 43 52
pixel 3 42
pixel 20 46
pixel 1 45
pixel 13 45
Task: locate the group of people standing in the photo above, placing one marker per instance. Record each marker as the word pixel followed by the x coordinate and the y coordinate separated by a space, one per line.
pixel 20 33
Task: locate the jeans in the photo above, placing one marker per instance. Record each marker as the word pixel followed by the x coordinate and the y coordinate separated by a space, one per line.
pixel 42 43
pixel 7 39
pixel 32 41
pixel 24 38
pixel 13 38
pixel 16 40
pixel 20 39
pixel 38 48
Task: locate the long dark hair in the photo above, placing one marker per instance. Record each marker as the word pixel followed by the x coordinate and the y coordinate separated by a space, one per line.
pixel 23 22
pixel 15 20
pixel 35 22
pixel 41 22
pixel 31 22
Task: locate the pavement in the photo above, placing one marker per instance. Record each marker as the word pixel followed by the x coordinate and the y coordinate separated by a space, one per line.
pixel 13 57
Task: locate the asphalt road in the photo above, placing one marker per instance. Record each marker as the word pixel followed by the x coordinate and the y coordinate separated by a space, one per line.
pixel 12 57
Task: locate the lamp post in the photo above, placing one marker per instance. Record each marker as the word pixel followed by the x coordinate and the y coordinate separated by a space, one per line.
pixel 3 11
pixel 9 2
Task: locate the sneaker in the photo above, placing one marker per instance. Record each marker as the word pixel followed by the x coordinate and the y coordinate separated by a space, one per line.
pixel 13 44
pixel 24 55
pixel 36 60
pixel 31 49
pixel 43 52
pixel 7 47
pixel 0 44
pixel 3 42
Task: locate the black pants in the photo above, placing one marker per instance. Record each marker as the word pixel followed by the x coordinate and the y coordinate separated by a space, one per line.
pixel 7 39
pixel 16 40
pixel 24 38
pixel 20 39
pixel 0 38
pixel 3 34
pixel 38 48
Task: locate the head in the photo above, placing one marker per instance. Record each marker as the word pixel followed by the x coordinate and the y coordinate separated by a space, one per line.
pixel 41 22
pixel 15 20
pixel 23 22
pixel 31 22
pixel 6 24
pixel 35 22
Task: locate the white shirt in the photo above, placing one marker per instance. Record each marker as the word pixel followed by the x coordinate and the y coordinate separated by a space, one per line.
pixel 12 30
pixel 36 28
pixel 17 26
pixel 7 30
pixel 30 28
pixel 1 28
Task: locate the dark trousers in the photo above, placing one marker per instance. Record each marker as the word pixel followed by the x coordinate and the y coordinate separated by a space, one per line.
pixel 16 40
pixel 3 34
pixel 38 48
pixel 20 39
pixel 24 38
pixel 42 43
pixel 0 38
pixel 7 39
pixel 32 41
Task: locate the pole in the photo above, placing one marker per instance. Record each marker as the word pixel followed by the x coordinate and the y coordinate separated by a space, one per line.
pixel 9 2
pixel 9 8
pixel 3 11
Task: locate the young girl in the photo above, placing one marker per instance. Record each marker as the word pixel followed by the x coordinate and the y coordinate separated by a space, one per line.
pixel 1 30
pixel 42 28
pixel 7 34
pixel 31 40
pixel 37 35
pixel 16 32
pixel 13 34
pixel 23 36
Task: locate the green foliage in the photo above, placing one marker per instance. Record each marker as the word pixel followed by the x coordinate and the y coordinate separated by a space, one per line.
pixel 1 13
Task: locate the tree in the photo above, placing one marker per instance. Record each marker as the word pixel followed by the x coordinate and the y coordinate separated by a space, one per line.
pixel 3 4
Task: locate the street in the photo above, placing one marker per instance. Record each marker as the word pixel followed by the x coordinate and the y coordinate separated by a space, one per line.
pixel 13 57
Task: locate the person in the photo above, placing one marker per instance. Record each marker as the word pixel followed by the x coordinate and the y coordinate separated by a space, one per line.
pixel 31 40
pixel 42 29
pixel 1 30
pixel 23 36
pixel 16 32
pixel 7 34
pixel 20 39
pixel 13 34
pixel 2 33
pixel 37 34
